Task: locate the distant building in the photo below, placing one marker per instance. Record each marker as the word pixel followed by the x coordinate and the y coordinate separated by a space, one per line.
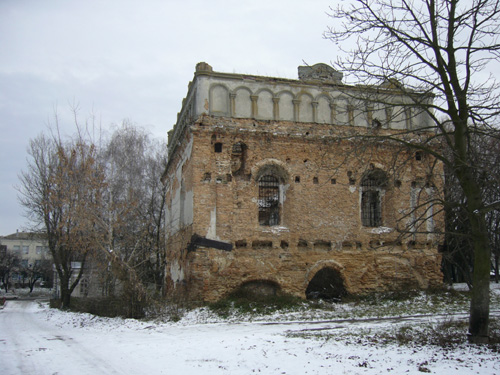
pixel 268 191
pixel 30 248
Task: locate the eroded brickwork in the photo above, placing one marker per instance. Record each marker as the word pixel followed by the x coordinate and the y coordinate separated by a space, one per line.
pixel 213 177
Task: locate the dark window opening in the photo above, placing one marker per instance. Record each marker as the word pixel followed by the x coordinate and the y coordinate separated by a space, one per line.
pixel 218 147
pixel 333 181
pixel 322 245
pixel 240 244
pixel 269 200
pixel 297 179
pixel 258 244
pixel 302 244
pixel 418 155
pixel 315 180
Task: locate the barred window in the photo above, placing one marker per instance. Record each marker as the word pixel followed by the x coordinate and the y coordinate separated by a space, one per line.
pixel 371 201
pixel 269 200
pixel 371 213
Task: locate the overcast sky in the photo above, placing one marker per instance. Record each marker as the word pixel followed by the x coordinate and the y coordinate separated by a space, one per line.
pixel 125 59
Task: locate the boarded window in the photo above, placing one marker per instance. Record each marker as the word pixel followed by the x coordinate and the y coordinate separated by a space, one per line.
pixel 269 200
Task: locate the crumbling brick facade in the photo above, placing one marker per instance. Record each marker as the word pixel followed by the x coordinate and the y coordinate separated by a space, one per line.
pixel 269 189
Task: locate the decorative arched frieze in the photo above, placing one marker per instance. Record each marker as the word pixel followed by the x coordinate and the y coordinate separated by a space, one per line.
pixel 323 113
pixel 305 107
pixel 265 106
pixel 342 107
pixel 219 100
pixel 286 106
pixel 243 102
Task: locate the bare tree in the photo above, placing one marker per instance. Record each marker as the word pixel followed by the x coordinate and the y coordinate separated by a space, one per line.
pixel 442 48
pixel 9 264
pixel 40 270
pixel 134 202
pixel 61 191
pixel 100 202
pixel 458 255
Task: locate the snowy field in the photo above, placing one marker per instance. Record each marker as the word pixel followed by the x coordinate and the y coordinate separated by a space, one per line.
pixel 37 340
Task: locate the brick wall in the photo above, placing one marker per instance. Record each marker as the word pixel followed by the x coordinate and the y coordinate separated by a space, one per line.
pixel 320 168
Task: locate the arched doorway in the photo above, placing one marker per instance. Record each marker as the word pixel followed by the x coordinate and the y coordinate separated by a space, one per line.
pixel 327 284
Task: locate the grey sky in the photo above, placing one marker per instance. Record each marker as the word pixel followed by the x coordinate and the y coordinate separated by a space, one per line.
pixel 125 59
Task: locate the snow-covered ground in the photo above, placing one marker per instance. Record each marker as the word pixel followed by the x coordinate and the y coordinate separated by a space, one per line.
pixel 37 340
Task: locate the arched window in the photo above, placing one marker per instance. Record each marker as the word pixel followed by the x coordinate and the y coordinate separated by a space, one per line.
pixel 372 186
pixel 269 200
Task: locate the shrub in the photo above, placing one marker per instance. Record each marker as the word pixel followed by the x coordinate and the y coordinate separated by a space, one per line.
pixel 106 306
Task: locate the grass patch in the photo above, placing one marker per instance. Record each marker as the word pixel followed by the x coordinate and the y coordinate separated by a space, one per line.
pixel 374 305
pixel 240 303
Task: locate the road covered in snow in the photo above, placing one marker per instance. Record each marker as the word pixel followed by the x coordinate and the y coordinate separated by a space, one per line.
pixel 37 340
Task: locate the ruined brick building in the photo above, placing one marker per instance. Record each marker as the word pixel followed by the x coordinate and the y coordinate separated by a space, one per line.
pixel 269 191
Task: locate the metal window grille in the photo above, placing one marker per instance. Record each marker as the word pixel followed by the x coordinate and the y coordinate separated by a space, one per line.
pixel 269 200
pixel 371 208
pixel 371 215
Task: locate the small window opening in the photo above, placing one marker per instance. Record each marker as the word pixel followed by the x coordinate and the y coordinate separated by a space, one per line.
pixel 269 200
pixel 315 180
pixel 297 179
pixel 258 244
pixel 218 147
pixel 302 244
pixel 240 244
pixel 418 155
pixel 333 181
